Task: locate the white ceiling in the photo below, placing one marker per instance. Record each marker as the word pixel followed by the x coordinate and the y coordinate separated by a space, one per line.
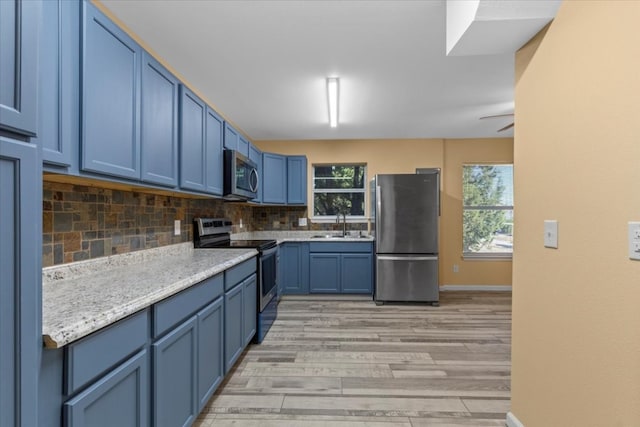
pixel 263 65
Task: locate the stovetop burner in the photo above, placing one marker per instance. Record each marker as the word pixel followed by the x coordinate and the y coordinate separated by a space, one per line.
pixel 216 233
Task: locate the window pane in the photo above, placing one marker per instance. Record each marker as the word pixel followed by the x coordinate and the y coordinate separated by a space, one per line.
pixel 339 177
pixel 487 231
pixel 325 204
pixel 487 185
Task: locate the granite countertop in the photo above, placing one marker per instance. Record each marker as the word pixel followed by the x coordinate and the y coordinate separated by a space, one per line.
pixel 81 297
pixel 301 236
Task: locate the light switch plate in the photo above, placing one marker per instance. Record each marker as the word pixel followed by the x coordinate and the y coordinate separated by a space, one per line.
pixel 634 240
pixel 551 234
pixel 302 222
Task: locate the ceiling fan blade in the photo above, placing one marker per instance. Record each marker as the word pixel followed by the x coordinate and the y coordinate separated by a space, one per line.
pixel 497 115
pixel 509 126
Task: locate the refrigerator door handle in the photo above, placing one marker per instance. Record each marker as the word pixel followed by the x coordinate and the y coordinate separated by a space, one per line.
pixel 407 258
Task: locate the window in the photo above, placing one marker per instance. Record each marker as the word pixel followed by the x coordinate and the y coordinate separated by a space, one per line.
pixel 487 218
pixel 338 189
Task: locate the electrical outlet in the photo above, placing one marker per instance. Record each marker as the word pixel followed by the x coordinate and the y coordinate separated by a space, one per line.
pixel 176 227
pixel 634 240
pixel 456 268
pixel 302 222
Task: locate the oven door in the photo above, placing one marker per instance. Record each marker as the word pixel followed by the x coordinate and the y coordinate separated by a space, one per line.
pixel 267 271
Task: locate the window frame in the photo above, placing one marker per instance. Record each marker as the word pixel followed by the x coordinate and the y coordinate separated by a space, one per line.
pixel 314 191
pixel 490 256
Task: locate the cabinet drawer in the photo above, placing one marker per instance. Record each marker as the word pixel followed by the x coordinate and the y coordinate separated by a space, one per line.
pixel 340 247
pixel 237 274
pixel 169 312
pixel 92 356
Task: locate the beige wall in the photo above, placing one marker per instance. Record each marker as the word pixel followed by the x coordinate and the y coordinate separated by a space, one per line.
pixel 404 156
pixel 576 310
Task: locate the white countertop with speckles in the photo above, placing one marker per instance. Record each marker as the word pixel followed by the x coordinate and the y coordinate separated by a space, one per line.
pixel 81 297
pixel 302 236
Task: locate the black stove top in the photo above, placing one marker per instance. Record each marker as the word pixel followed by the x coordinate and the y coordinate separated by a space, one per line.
pixel 216 233
pixel 241 244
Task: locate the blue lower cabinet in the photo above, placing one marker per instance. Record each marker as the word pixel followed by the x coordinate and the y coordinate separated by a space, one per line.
pixel 294 268
pixel 250 305
pixel 118 399
pixel 174 377
pixel 356 273
pixel 233 332
pixel 324 273
pixel 345 268
pixel 210 350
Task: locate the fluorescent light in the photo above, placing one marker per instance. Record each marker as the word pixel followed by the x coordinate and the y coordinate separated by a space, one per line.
pixel 333 87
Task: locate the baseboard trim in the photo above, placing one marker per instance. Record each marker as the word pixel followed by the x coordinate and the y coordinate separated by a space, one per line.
pixel 512 421
pixel 491 288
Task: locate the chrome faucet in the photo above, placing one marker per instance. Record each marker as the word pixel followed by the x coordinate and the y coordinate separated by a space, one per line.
pixel 344 223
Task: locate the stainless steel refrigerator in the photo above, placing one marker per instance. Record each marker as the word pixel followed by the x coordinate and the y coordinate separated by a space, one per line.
pixel 407 210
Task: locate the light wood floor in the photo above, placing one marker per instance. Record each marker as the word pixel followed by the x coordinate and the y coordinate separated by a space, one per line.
pixel 338 363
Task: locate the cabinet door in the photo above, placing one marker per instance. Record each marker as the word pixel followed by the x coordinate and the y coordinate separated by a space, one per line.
pixel 230 137
pixel 159 124
pixel 255 155
pixel 296 180
pixel 357 273
pixel 174 377
pixel 324 273
pixel 233 330
pixel 214 162
pixel 19 21
pixel 250 308
pixel 274 179
pixel 192 141
pixel 210 350
pixel 20 295
pixel 243 145
pixel 118 399
pixel 59 79
pixel 110 104
pixel 294 271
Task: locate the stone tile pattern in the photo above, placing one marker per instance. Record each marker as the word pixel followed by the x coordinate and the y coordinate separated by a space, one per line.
pixel 329 362
pixel 269 218
pixel 86 222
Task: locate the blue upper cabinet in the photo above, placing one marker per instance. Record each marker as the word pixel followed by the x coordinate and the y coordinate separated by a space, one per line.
pixel 274 180
pixel 296 180
pixel 19 22
pixel 59 80
pixel 230 137
pixel 192 141
pixel 159 121
pixel 243 145
pixel 110 101
pixel 201 134
pixel 255 155
pixel 214 153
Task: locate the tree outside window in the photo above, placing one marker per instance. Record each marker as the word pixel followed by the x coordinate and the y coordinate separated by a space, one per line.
pixel 487 210
pixel 339 189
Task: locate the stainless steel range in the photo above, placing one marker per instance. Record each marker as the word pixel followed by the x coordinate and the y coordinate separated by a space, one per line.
pixel 216 233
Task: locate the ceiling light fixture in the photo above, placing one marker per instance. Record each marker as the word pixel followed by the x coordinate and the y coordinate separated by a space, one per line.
pixel 333 89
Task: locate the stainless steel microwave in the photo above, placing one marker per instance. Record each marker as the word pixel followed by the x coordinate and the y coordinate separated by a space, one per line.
pixel 241 178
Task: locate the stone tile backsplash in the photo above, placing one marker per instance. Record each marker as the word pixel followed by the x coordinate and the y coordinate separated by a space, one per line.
pixel 84 222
